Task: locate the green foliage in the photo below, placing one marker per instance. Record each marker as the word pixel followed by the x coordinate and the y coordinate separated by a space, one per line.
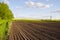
pixel 2 29
pixel 4 26
pixel 5 12
pixel 5 17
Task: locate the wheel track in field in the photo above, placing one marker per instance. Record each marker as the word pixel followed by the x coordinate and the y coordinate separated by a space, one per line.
pixel 34 31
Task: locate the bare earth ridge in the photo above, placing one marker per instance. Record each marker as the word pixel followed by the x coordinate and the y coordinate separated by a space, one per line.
pixel 20 30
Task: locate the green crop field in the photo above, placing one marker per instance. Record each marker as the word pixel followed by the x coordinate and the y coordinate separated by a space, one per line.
pixel 35 30
pixel 36 20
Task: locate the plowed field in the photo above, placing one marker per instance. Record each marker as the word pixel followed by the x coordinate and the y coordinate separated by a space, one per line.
pixel 20 30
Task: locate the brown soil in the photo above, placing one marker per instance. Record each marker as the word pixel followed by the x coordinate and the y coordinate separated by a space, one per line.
pixel 34 31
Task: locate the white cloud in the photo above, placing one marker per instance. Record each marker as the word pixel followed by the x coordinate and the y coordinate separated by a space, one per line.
pixel 38 5
pixel 30 4
pixel 6 1
pixel 44 6
pixel 47 6
pixel 41 5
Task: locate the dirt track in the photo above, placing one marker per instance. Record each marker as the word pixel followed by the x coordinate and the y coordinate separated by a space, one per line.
pixel 34 31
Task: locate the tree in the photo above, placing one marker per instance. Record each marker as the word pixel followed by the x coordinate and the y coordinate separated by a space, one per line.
pixel 5 12
pixel 6 16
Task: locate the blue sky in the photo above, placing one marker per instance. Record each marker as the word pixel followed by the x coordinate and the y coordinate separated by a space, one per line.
pixel 36 9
